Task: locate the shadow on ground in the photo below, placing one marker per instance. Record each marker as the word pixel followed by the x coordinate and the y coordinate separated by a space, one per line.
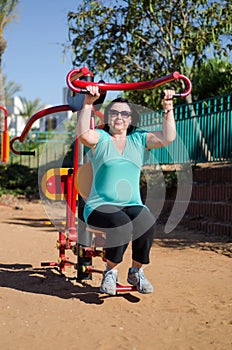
pixel 47 281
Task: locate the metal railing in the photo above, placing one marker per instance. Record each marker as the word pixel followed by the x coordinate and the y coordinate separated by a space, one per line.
pixel 204 133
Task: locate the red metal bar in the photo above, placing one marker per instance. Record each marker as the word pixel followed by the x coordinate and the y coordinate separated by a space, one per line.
pixel 71 210
pixel 121 288
pixel 36 116
pixel 4 110
pixel 5 138
pixel 69 184
pixel 79 86
pixel 74 189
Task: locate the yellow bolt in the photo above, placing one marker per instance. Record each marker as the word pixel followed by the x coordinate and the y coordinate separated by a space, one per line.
pixel 83 268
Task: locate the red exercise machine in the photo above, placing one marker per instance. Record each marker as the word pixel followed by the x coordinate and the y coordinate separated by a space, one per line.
pixel 63 183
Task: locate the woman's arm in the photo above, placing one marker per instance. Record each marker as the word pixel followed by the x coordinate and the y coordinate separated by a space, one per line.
pixel 167 135
pixel 89 137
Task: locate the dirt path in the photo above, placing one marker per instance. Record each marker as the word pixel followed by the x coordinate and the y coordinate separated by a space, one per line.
pixel 191 307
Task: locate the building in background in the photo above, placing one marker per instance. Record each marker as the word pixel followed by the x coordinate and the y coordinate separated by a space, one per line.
pixel 17 122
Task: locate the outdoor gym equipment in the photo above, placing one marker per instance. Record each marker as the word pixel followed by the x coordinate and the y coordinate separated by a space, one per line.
pixel 64 183
pixel 5 144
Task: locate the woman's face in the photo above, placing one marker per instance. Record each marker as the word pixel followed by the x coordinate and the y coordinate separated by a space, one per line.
pixel 119 117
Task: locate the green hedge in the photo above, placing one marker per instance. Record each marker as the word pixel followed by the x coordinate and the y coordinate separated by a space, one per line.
pixel 18 179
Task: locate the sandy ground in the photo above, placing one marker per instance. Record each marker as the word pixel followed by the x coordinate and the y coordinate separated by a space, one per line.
pixel 191 307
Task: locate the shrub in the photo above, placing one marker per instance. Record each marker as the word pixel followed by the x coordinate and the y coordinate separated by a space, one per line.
pixel 18 179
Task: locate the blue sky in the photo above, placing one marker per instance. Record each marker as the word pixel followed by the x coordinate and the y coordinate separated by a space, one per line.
pixel 33 57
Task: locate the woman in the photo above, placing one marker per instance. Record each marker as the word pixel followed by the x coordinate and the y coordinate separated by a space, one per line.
pixel 114 205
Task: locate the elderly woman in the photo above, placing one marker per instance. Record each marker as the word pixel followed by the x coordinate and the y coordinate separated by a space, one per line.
pixel 114 205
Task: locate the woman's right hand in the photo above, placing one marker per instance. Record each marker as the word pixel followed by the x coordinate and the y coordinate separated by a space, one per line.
pixel 93 95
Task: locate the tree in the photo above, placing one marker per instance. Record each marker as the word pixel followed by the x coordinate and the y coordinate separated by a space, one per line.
pixel 214 77
pixel 29 108
pixel 7 8
pixel 141 40
pixel 10 89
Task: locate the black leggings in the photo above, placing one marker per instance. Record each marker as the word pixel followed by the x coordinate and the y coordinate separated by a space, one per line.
pixel 122 225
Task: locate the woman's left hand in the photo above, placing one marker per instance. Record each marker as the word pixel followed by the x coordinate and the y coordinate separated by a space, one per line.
pixel 167 101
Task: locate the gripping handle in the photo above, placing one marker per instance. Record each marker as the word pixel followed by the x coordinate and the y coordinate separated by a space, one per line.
pixel 20 153
pixel 162 95
pixel 79 86
pixel 181 94
pixel 27 153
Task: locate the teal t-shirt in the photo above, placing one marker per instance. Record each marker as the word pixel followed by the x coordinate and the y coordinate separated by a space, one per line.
pixel 116 177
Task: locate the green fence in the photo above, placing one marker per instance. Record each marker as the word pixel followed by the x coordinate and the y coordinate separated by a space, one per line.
pixel 204 134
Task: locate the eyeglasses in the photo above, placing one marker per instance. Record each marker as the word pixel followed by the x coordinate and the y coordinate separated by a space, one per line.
pixel 114 113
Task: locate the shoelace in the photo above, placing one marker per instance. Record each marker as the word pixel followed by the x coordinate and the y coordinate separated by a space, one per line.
pixel 110 275
pixel 141 275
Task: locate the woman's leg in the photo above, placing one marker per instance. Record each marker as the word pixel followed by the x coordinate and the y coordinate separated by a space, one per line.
pixel 141 247
pixel 143 233
pixel 122 225
pixel 118 228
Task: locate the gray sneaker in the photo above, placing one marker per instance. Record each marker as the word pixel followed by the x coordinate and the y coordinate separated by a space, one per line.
pixel 137 278
pixel 109 282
